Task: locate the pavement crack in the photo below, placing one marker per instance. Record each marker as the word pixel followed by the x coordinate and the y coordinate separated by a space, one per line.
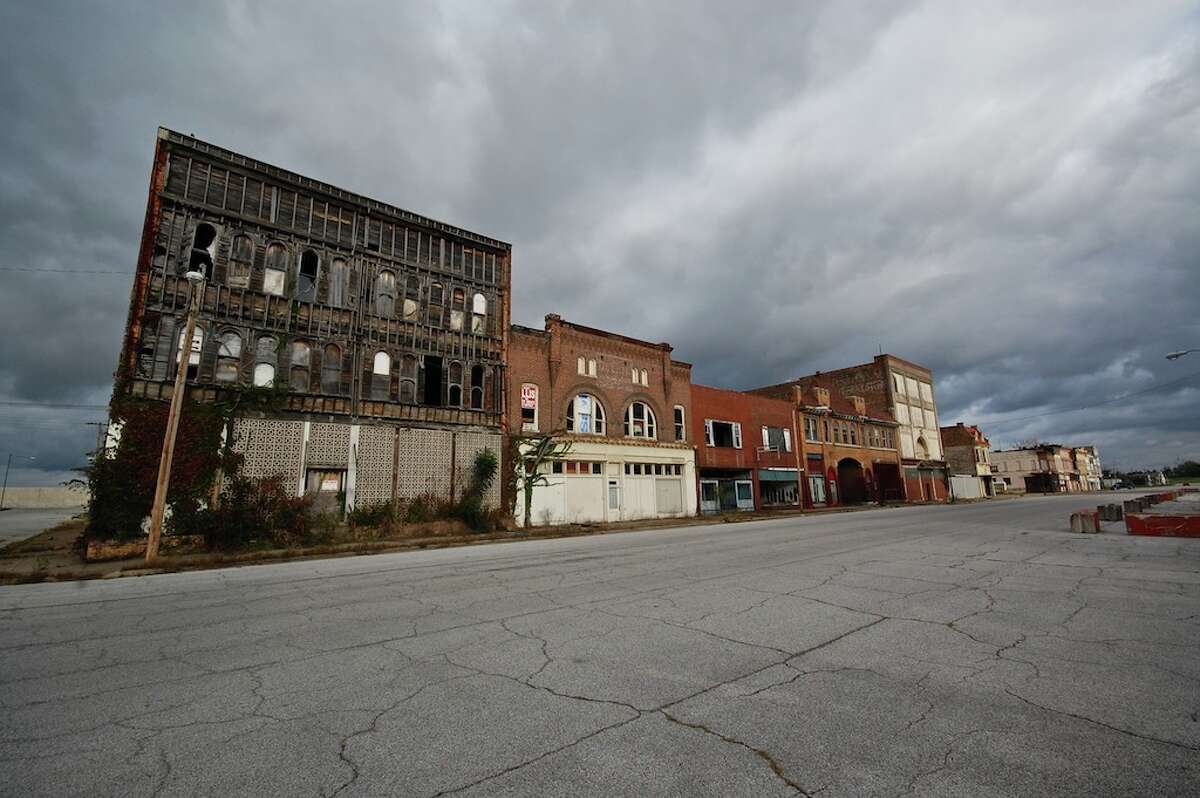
pixel 1110 727
pixel 765 756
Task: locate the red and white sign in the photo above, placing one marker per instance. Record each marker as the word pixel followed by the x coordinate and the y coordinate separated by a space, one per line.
pixel 528 397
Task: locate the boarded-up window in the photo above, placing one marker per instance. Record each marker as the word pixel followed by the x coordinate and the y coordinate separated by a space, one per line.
pixel 241 256
pixel 331 370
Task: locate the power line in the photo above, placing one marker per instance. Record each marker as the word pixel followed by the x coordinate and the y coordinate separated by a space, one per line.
pixel 52 404
pixel 1114 400
pixel 62 271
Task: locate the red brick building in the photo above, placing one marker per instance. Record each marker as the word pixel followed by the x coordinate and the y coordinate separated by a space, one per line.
pixel 747 453
pixel 892 387
pixel 623 404
pixel 849 449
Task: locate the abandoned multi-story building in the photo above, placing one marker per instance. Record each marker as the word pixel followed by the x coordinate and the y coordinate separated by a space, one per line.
pixel 968 460
pixel 388 329
pixel 898 389
pixel 623 404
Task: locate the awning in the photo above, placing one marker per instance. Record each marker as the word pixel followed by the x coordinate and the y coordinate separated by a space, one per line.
pixel 777 475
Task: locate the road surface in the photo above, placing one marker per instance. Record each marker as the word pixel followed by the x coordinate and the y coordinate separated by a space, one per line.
pixel 962 650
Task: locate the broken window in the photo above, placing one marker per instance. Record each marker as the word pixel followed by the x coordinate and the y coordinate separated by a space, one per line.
pixel 777 439
pixel 241 256
pixel 639 421
pixel 454 389
pixel 301 359
pixel 264 361
pixel 412 297
pixel 431 386
pixel 458 301
pixel 381 377
pixel 585 415
pixel 331 369
pixel 408 380
pixel 229 357
pixel 479 314
pixel 275 269
pixel 477 376
pixel 723 434
pixel 679 428
pixel 306 285
pixel 338 275
pixel 437 301
pixel 385 294
pixel 204 247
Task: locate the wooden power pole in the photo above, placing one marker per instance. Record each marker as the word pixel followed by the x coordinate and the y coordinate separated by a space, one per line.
pixel 196 291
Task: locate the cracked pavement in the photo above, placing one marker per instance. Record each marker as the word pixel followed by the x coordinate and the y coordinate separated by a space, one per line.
pixel 962 650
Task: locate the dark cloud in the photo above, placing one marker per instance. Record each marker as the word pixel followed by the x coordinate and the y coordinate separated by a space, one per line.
pixel 1005 192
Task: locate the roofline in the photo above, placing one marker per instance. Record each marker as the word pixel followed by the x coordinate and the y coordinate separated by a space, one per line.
pixel 311 184
pixel 628 339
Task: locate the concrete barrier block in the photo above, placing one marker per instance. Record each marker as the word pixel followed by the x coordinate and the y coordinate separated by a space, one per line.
pixel 1085 522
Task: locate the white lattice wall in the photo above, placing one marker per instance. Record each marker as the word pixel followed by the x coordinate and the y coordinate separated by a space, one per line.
pixel 328 445
pixel 270 446
pixel 375 464
pixel 466 446
pixel 424 463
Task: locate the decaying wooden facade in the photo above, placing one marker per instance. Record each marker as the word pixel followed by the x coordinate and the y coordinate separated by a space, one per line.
pixel 371 315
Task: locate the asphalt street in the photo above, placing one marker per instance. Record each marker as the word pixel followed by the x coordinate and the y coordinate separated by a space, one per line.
pixel 968 650
pixel 20 523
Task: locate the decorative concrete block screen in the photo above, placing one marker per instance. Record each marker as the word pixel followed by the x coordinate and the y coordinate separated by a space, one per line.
pixel 375 464
pixel 270 446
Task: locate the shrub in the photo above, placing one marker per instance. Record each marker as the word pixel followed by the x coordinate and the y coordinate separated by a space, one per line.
pixel 255 511
pixel 381 514
pixel 422 509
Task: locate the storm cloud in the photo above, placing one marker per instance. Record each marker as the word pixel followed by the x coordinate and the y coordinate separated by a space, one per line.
pixel 1005 192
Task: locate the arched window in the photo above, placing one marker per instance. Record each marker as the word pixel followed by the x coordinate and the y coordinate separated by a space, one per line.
pixel 229 357
pixel 306 285
pixel 585 415
pixel 412 298
pixel 479 314
pixel 455 384
pixel 264 362
pixel 301 360
pixel 680 430
pixel 338 276
pixel 331 369
pixel 639 421
pixel 385 294
pixel 381 377
pixel 458 304
pixel 204 246
pixel 644 379
pixel 477 374
pixel 241 256
pixel 275 269
pixel 408 380
pixel 437 300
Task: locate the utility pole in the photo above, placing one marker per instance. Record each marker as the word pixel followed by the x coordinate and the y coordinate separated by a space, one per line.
pixel 195 293
pixel 4 490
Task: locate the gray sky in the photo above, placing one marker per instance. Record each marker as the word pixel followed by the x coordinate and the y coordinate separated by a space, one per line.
pixel 1006 192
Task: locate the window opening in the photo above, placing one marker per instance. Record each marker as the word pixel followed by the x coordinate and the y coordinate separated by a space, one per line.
pixel 204 245
pixel 306 285
pixel 431 388
pixel 455 388
pixel 331 370
pixel 275 270
pixel 381 377
pixel 385 294
pixel 298 373
pixel 241 256
pixel 477 387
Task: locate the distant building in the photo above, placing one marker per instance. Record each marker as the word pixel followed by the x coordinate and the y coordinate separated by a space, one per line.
pixel 624 405
pixel 747 451
pixel 1087 460
pixel 1044 468
pixel 968 460
pixel 896 389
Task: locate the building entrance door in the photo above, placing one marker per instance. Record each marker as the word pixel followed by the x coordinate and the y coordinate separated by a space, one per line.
pixel 710 501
